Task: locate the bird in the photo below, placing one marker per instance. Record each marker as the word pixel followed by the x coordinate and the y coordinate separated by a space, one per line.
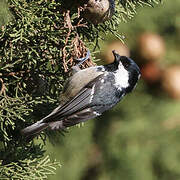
pixel 88 93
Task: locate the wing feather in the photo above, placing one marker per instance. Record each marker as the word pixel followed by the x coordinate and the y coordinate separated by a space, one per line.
pixel 76 104
pixel 81 101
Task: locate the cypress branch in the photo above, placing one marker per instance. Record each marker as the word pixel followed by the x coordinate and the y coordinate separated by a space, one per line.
pixel 38 46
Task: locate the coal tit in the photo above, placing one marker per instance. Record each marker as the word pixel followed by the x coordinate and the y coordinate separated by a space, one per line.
pixel 90 92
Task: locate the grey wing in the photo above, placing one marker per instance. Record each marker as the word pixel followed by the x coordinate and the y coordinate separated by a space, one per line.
pixel 77 109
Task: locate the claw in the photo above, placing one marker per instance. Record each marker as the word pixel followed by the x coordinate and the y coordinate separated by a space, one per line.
pixel 84 58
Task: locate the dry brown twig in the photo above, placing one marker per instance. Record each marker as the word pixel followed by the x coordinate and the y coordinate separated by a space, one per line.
pixel 2 90
pixel 78 46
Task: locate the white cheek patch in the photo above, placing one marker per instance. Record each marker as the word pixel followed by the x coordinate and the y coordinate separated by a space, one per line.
pixel 121 77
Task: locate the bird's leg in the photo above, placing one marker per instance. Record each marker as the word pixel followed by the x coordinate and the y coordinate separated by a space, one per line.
pixel 76 68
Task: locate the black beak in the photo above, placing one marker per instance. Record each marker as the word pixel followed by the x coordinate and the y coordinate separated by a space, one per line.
pixel 116 55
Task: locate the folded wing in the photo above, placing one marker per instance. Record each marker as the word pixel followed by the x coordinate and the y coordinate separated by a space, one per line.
pixel 76 110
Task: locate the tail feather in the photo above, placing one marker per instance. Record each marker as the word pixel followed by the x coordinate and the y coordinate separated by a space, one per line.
pixel 34 129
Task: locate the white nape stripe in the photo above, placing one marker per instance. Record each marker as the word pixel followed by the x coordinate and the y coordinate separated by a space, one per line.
pixel 121 77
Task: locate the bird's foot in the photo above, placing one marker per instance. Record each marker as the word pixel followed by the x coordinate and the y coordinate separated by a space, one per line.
pixel 81 60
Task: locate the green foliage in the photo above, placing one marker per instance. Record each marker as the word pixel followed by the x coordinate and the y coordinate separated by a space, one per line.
pixel 4 13
pixel 38 43
pixel 26 169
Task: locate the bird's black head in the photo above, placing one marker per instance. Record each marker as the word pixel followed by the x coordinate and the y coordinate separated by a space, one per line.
pixel 127 66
